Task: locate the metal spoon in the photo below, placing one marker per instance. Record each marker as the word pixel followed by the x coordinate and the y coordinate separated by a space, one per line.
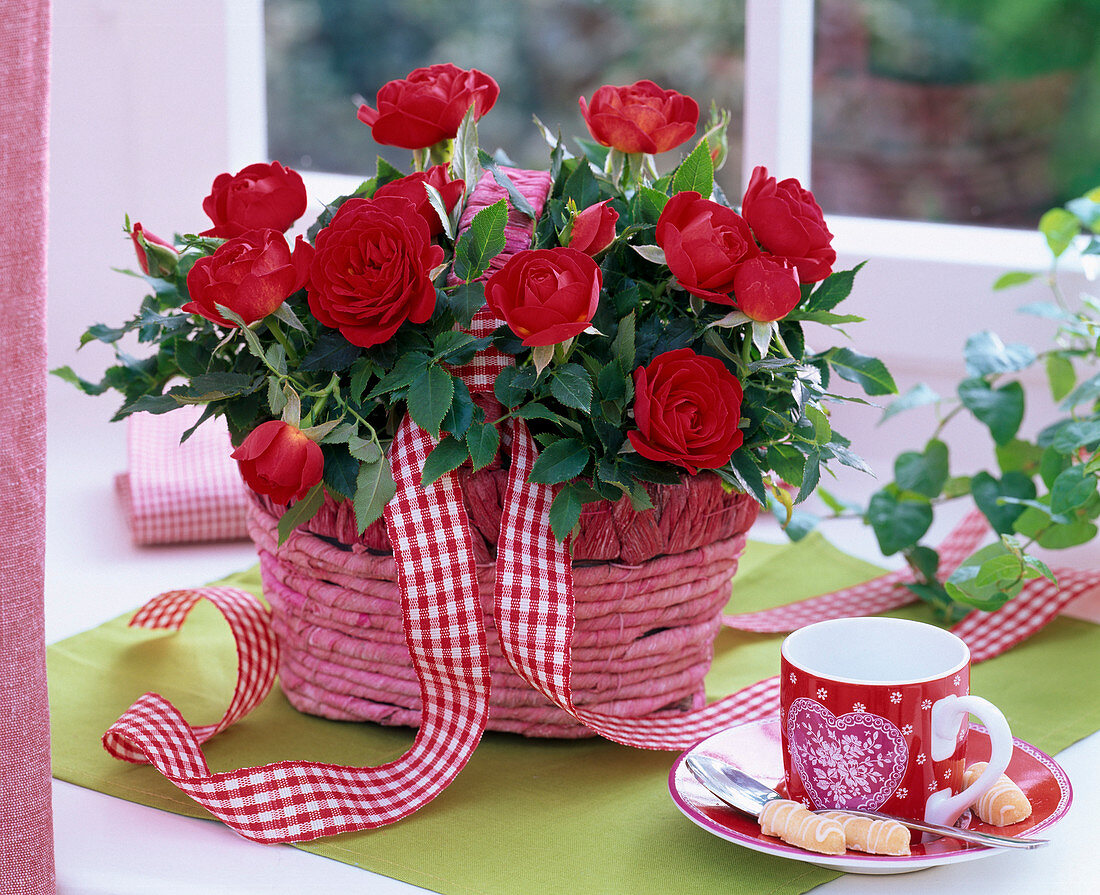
pixel 738 790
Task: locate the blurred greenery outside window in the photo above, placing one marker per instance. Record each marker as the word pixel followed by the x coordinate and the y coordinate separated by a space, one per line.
pixel 962 111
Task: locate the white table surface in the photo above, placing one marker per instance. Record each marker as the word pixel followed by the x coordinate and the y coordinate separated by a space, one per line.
pixel 107 846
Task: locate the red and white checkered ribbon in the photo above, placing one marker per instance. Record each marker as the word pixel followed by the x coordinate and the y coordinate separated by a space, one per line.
pixel 533 607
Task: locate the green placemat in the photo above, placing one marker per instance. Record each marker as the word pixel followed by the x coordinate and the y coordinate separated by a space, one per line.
pixel 537 816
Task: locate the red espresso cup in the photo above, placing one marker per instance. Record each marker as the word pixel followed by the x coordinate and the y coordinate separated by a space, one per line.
pixel 875 714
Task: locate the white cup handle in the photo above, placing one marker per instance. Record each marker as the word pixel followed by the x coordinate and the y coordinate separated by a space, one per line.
pixel 948 716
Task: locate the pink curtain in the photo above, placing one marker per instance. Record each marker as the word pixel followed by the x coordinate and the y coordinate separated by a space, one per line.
pixel 26 837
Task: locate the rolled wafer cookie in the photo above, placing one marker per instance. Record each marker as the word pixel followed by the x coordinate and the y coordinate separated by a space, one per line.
pixel 1004 804
pixel 875 837
pixel 794 824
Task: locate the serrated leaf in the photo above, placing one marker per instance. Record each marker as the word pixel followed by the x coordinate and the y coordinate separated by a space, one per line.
pixel 650 203
pixel 560 461
pixel 429 398
pixel 435 199
pixel 622 346
pixel 464 301
pixel 652 253
pixel 571 384
pixel 582 187
pixel 464 157
pixel 341 470
pixel 535 411
pixel 446 456
pixel 512 385
pixel 301 511
pixel 517 200
pixel 565 511
pixel 330 353
pixel 374 487
pixel 218 386
pixel 408 368
pixel 482 241
pixel 366 450
pixel 461 412
pixel 695 173
pixel 483 441
pixel 868 372
pixel 833 290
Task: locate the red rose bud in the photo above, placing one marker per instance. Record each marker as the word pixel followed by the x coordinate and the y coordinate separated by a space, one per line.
pixel 428 106
pixel 704 244
pixel 593 229
pixel 687 407
pixel 640 118
pixel 372 270
pixel 546 295
pixel 150 247
pixel 279 460
pixel 789 224
pixel 412 188
pixel 252 275
pixel 259 197
pixel 766 288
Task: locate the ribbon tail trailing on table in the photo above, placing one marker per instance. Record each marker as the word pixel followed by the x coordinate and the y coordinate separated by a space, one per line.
pixel 443 626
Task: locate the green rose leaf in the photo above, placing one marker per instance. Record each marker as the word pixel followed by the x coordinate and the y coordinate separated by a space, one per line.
pixel 1001 410
pixel 868 372
pixel 446 456
pixel 561 461
pixel 565 510
pixel 572 385
pixel 430 396
pixel 301 511
pixel 331 353
pixel 923 473
pixel 482 241
pixel 833 290
pixel 898 519
pixel 464 301
pixel 374 487
pixel 483 441
pixel 696 172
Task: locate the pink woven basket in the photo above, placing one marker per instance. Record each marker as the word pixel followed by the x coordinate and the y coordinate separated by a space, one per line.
pixel 649 590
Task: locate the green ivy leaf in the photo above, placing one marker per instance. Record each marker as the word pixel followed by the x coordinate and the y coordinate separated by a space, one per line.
pixel 1087 391
pixel 898 519
pixel 446 456
pixel 988 493
pixel 1001 410
pixel 429 398
pixel 1072 489
pixel 1061 375
pixel 1060 228
pixel 924 473
pixel 560 461
pixel 1013 278
pixel 1074 434
pixel 374 487
pixel 696 172
pixel 482 241
pixel 986 355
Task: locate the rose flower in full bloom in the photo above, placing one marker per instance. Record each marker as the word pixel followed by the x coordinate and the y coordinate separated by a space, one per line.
pixel 372 269
pixel 640 118
pixel 687 408
pixel 428 106
pixel 546 295
pixel 789 224
pixel 704 245
pixel 251 275
pixel 279 460
pixel 259 197
pixel 412 188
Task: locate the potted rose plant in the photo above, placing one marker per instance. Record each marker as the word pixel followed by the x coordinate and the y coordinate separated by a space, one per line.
pixel 649 335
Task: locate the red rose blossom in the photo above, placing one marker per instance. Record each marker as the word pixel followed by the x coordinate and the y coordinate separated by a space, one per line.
pixel 704 244
pixel 259 197
pixel 789 224
pixel 412 188
pixel 146 244
pixel 251 275
pixel 687 407
pixel 766 288
pixel 372 269
pixel 546 295
pixel 279 460
pixel 640 118
pixel 594 228
pixel 428 106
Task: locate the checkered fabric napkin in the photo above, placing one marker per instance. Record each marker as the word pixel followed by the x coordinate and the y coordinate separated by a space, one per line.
pixel 181 493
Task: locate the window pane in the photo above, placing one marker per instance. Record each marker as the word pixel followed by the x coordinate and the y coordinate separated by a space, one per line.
pixel 543 53
pixel 969 111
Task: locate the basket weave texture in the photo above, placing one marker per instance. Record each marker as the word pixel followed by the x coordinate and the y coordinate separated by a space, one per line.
pixel 649 590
